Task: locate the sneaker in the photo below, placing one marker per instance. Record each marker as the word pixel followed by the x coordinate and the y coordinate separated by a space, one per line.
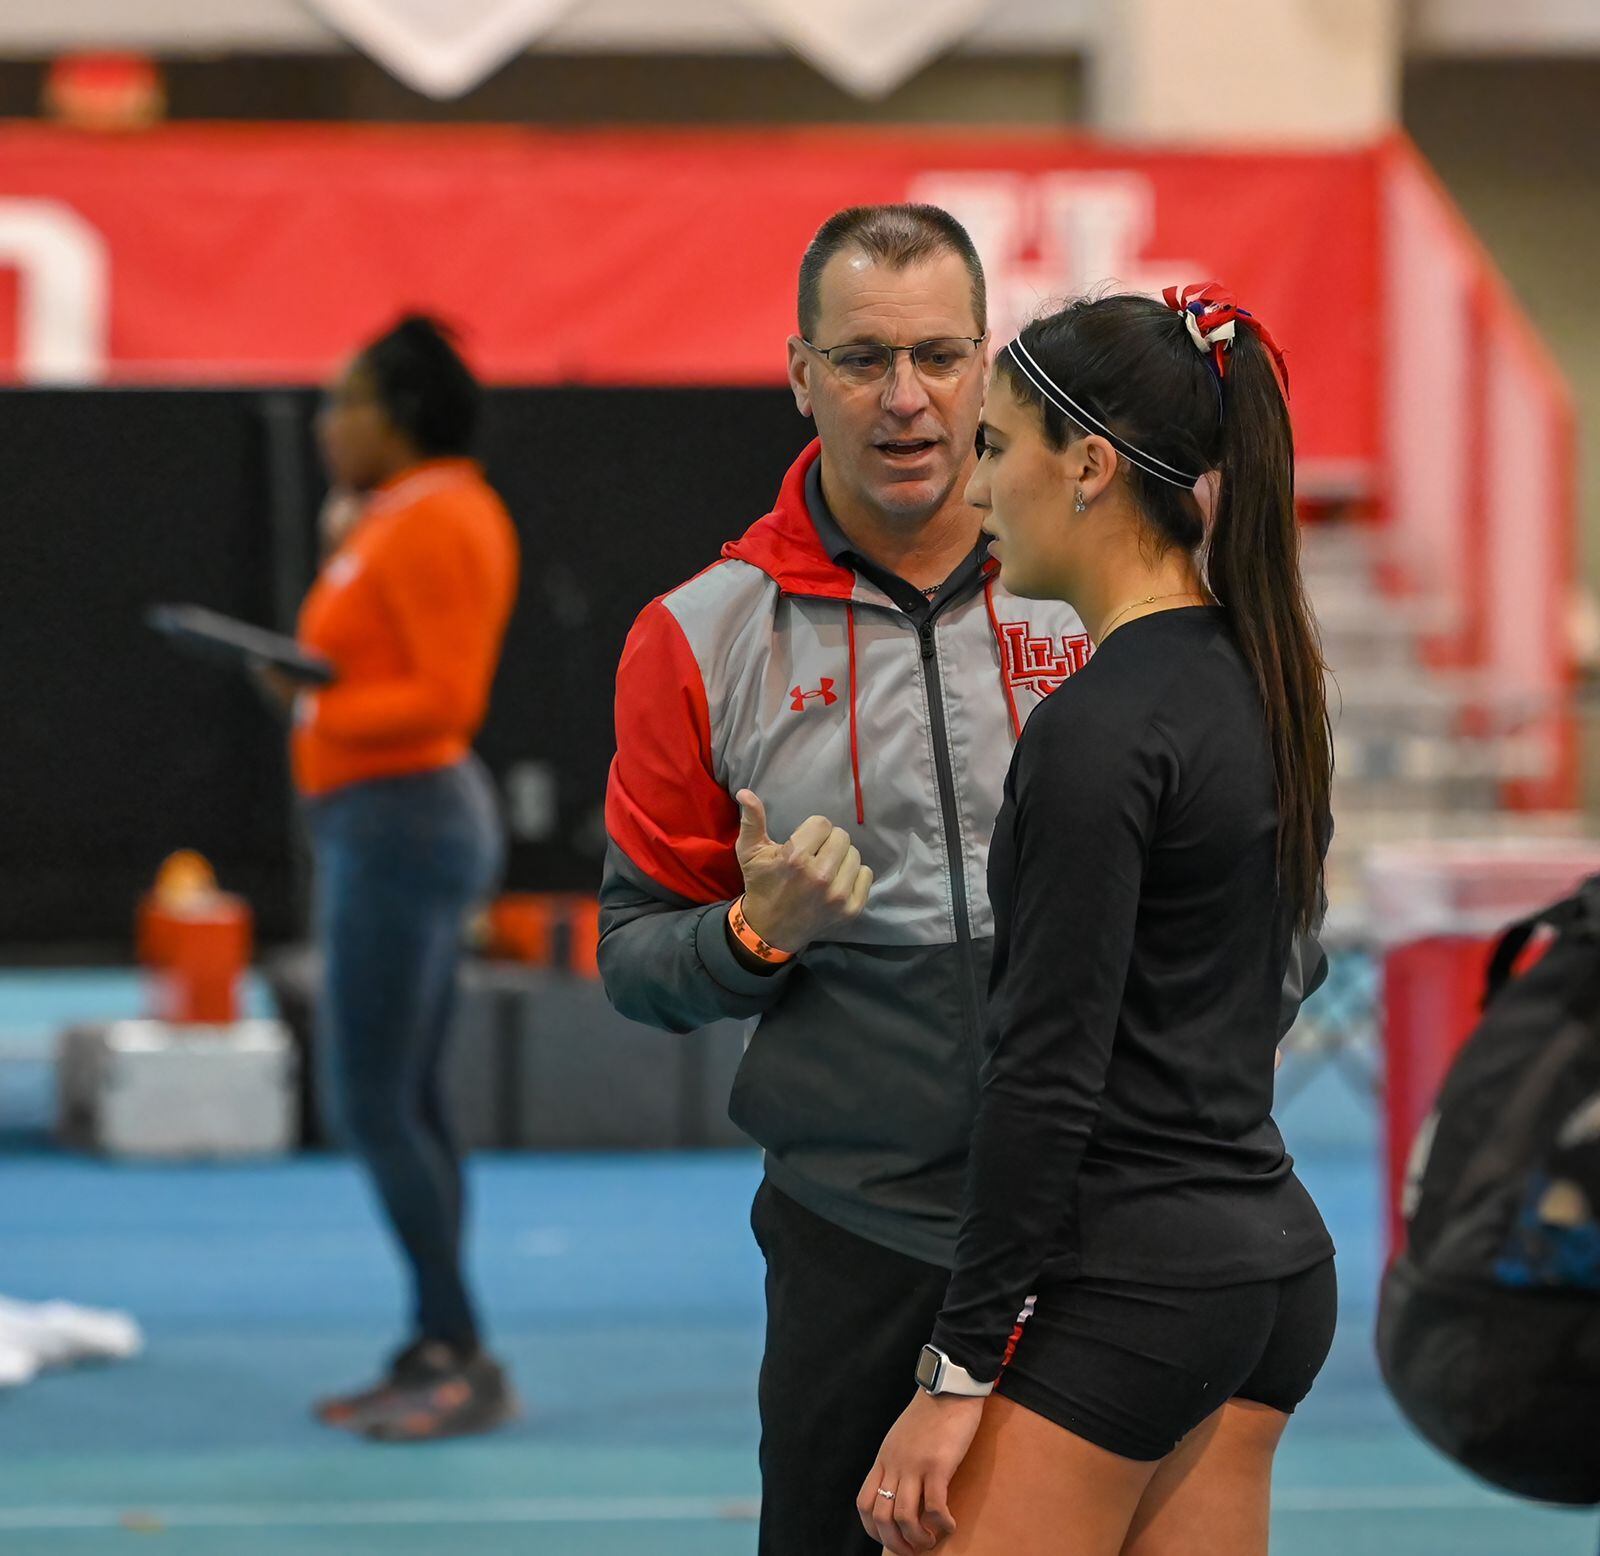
pixel 477 1397
pixel 421 1363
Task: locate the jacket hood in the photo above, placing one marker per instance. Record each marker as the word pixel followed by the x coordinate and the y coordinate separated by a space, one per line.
pixel 785 545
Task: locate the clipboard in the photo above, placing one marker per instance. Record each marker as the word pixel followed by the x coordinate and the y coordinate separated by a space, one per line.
pixel 210 634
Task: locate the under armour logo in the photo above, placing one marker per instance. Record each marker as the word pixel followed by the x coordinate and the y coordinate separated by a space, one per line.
pixel 1034 661
pixel 825 691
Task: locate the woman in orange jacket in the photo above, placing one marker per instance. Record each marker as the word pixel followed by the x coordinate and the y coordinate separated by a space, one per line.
pixel 410 608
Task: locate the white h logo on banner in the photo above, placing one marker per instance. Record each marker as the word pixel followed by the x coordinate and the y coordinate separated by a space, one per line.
pixel 1048 236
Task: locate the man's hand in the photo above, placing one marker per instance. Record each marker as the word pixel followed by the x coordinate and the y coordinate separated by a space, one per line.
pixel 917 1462
pixel 276 687
pixel 795 892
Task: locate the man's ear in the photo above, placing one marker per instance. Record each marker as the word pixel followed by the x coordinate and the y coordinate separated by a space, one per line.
pixel 800 365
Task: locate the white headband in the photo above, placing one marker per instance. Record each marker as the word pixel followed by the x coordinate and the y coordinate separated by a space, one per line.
pixel 1173 475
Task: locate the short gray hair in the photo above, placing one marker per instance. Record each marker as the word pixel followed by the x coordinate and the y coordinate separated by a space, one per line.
pixel 893 235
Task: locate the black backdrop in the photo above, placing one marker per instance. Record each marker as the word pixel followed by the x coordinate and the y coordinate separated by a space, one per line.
pixel 116 751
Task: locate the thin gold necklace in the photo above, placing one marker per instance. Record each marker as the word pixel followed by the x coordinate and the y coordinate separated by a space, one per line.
pixel 1149 599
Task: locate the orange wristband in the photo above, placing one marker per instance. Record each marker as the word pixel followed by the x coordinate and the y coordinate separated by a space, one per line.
pixel 749 939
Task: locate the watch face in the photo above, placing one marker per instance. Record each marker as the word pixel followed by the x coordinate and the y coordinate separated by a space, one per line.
pixel 928 1366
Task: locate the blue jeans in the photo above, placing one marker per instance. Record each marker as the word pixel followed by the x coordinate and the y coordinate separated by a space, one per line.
pixel 399 865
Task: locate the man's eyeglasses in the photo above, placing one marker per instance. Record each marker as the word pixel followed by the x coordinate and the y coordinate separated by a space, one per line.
pixel 867 361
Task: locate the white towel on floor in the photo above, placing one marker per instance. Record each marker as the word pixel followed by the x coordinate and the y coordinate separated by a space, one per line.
pixel 17 1366
pixel 36 1335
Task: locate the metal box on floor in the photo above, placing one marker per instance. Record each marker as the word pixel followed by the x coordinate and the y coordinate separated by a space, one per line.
pixel 540 1061
pixel 155 1089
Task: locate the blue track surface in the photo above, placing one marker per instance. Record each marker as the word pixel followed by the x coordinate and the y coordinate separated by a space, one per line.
pixel 626 1295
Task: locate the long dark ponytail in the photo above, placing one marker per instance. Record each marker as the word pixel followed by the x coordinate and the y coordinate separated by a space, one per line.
pixel 1130 363
pixel 1253 568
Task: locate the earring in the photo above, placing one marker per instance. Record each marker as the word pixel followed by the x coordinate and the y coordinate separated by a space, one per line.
pixel 1079 505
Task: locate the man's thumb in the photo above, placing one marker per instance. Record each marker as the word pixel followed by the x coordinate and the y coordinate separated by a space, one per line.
pixel 752 821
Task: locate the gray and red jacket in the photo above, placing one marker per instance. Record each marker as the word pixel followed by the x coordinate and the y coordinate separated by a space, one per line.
pixel 780 670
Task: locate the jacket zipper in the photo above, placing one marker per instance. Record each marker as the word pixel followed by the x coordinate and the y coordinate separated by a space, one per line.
pixel 952 833
pixel 972 1004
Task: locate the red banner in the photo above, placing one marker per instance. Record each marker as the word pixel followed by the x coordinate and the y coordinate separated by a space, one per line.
pixel 224 253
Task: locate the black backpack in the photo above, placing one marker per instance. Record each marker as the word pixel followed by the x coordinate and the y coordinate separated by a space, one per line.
pixel 1489 1320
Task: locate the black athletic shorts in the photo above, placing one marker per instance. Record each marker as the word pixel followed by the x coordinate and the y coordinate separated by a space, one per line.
pixel 1134 1368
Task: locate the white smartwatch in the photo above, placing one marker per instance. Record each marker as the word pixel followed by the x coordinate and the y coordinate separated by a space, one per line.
pixel 937 1374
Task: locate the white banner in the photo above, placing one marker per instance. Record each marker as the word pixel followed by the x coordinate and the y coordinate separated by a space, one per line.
pixel 442 48
pixel 869 46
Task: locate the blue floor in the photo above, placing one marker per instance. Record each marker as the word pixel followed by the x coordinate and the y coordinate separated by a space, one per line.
pixel 625 1293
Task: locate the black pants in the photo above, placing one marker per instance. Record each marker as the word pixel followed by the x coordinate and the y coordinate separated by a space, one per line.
pixel 845 1321
pixel 399 864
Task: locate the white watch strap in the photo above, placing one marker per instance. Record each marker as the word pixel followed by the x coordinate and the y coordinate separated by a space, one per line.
pixel 957 1380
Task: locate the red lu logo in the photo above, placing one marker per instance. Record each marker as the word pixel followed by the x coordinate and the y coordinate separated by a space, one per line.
pixel 1031 661
pixel 798 698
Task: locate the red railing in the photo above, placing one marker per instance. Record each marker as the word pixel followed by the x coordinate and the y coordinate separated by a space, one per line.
pixel 1478 487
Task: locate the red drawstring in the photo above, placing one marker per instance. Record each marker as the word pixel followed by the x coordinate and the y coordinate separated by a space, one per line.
pixel 855 748
pixel 999 643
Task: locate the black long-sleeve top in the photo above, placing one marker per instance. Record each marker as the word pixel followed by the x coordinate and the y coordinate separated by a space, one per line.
pixel 1125 1129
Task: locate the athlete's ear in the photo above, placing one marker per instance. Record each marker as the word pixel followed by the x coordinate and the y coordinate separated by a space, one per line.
pixel 800 368
pixel 1092 465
